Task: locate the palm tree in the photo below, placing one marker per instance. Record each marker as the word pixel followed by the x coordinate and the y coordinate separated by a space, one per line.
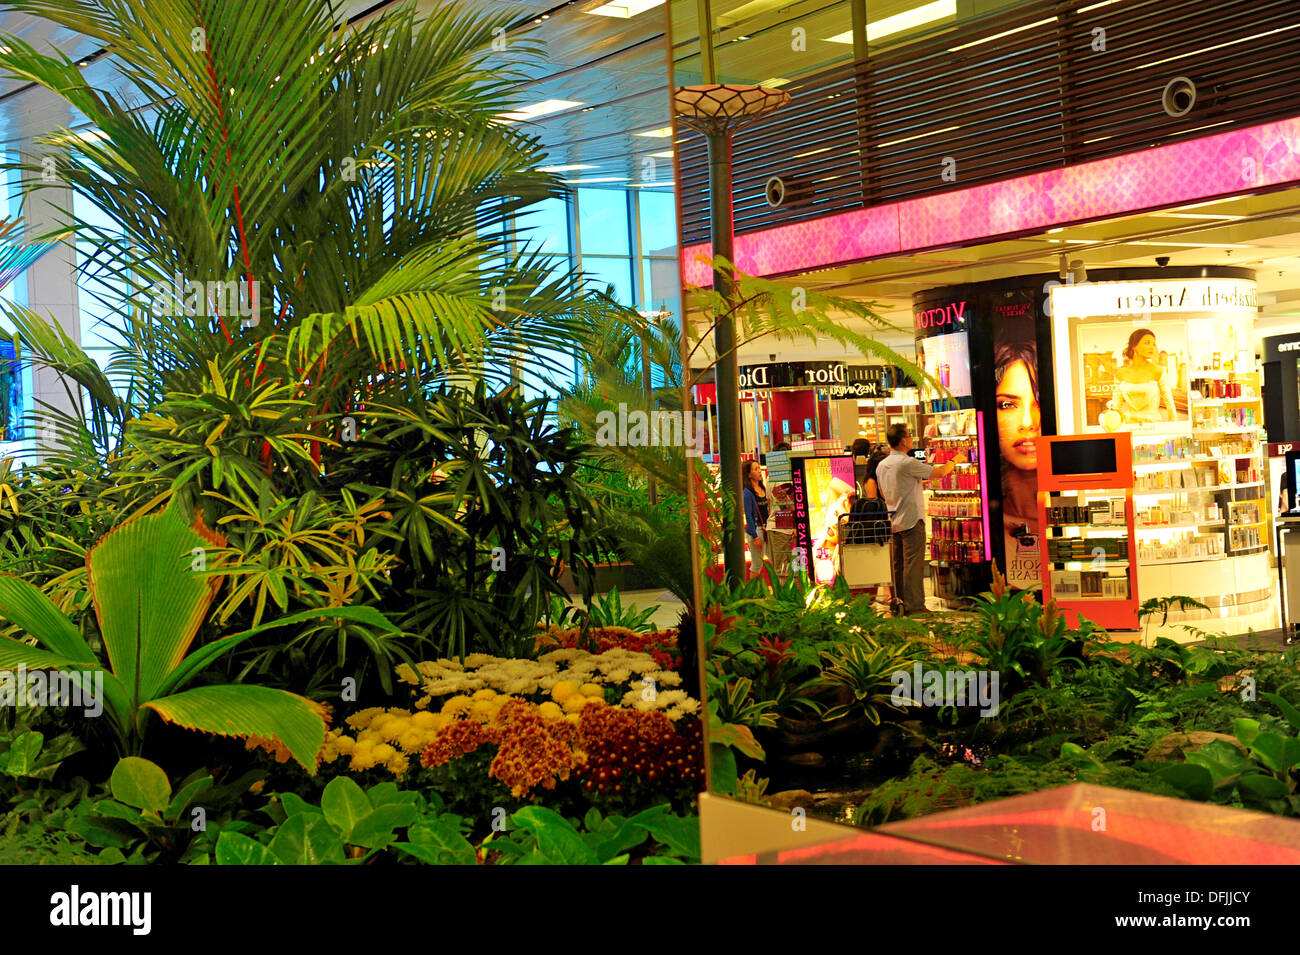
pixel 356 182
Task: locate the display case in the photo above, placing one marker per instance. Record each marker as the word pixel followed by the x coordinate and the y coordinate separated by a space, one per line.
pixel 956 506
pixel 1166 355
pixel 1086 510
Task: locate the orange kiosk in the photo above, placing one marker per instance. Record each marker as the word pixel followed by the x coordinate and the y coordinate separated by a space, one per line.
pixel 1088 545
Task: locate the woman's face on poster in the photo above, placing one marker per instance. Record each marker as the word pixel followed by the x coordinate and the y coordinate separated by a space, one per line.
pixel 1146 348
pixel 1019 424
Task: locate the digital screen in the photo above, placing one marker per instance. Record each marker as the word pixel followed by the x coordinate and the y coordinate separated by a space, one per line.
pixel 1094 456
pixel 1295 478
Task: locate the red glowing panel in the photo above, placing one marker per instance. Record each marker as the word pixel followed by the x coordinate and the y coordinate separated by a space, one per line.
pixel 1234 161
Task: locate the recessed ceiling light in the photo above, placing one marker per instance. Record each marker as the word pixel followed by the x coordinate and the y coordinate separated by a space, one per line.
pixel 568 168
pixel 666 154
pixel 624 9
pixel 597 179
pixel 907 20
pixel 663 132
pixel 534 110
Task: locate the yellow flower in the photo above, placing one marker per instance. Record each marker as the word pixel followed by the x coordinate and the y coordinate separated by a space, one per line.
pixel 361 719
pixel 591 689
pixel 397 765
pixel 406 674
pixel 413 740
pixel 383 753
pixel 482 710
pixel 563 690
pixel 576 702
pixel 484 694
pixel 550 710
pixel 425 720
pixel 457 705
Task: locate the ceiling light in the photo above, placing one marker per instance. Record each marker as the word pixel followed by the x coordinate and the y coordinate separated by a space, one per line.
pixel 597 179
pixel 998 36
pixel 652 185
pixel 907 20
pixel 1218 217
pixel 666 154
pixel 568 168
pixel 774 81
pixel 624 9
pixel 545 108
pixel 663 132
pixel 908 139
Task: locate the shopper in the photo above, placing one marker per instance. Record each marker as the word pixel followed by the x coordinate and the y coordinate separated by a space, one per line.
pixel 861 451
pixel 756 511
pixel 900 476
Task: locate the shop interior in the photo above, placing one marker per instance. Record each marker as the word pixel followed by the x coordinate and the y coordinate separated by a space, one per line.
pixel 1213 536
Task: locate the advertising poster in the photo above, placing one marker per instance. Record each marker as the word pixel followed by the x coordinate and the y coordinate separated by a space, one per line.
pixel 11 393
pixel 1016 399
pixel 822 488
pixel 778 467
pixel 1129 376
pixel 946 358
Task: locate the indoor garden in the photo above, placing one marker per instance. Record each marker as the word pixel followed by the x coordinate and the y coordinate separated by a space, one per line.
pixel 333 568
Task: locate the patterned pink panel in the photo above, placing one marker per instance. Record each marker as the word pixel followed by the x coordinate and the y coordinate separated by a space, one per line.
pixel 1230 162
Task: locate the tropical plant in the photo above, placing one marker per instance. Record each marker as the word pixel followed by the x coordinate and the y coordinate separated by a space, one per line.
pixel 608 611
pixel 865 670
pixel 353 182
pixel 150 601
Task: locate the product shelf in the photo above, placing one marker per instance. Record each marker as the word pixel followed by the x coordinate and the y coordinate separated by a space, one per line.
pixel 1178 560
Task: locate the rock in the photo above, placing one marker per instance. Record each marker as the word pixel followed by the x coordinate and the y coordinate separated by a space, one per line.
pixel 1176 745
pixel 790 798
pixel 807 759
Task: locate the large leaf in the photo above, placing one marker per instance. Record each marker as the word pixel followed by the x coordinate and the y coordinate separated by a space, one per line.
pixel 235 848
pixel 148 599
pixel 344 804
pixel 29 608
pixel 438 843
pixel 204 656
pixel 140 783
pixel 293 721
pixel 558 843
pixel 307 839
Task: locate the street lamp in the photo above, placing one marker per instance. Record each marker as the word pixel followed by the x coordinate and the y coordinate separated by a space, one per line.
pixel 717 111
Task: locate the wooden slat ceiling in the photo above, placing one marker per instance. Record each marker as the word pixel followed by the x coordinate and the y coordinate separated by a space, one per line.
pixel 1037 98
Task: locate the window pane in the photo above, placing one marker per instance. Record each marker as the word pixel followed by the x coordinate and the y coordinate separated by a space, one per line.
pixel 660 284
pixel 606 271
pixel 658 223
pixel 544 226
pixel 602 221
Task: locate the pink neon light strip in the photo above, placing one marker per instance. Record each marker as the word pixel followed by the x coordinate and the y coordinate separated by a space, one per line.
pixel 1235 161
pixel 984 486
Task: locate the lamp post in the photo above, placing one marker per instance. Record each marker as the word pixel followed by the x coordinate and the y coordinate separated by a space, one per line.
pixel 718 111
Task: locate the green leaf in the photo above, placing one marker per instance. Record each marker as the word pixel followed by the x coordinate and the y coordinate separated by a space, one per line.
pixel 1193 780
pixel 1270 749
pixel 250 711
pixel 438 843
pixel 1290 712
pixel 662 860
pixel 1263 787
pixel 344 804
pixel 23 753
pixel 140 783
pixel 1245 730
pixel 307 839
pixel 723 776
pixel 295 804
pixel 680 834
pixel 234 848
pixel 375 829
pixel 186 795
pixel 28 607
pixel 557 841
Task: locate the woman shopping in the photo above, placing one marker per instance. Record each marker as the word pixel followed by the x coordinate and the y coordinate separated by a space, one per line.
pixel 756 512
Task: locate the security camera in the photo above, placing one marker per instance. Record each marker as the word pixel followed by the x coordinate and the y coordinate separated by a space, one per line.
pixel 771 358
pixel 1179 96
pixel 1162 260
pixel 774 192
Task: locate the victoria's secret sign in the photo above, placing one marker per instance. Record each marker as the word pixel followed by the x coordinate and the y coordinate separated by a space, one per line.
pixel 954 313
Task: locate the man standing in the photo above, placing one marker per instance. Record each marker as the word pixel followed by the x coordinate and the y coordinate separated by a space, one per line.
pixel 900 476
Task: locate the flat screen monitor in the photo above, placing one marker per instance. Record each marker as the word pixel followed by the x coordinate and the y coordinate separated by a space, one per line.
pixel 1291 480
pixel 1089 456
